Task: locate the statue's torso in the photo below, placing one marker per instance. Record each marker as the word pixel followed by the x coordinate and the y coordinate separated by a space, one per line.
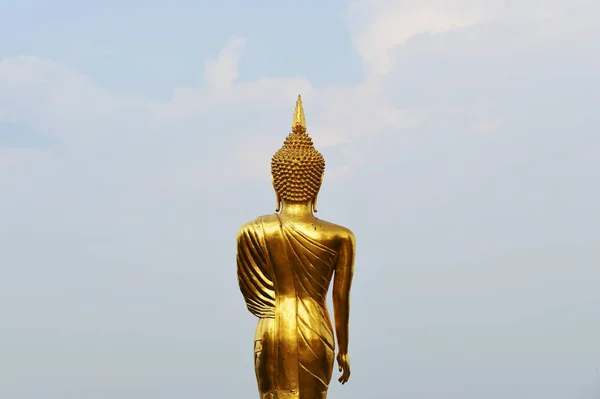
pixel 285 267
pixel 325 237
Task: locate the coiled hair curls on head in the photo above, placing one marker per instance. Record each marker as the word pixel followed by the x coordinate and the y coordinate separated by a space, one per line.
pixel 297 168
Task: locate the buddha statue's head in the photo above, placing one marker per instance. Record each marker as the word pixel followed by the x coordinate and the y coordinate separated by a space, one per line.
pixel 297 168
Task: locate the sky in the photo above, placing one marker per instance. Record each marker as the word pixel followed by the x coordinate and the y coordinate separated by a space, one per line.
pixel 462 146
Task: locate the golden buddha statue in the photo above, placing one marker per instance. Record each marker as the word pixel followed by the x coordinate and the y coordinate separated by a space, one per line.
pixel 285 264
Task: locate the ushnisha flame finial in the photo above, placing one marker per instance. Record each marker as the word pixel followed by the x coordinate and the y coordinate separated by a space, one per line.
pixel 299 118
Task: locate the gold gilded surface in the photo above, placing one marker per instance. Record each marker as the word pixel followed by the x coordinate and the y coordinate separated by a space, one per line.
pixel 286 263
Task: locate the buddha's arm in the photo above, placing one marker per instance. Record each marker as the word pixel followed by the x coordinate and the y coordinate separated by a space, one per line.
pixel 344 270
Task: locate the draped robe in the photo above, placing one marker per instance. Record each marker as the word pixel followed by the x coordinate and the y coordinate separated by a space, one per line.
pixel 284 276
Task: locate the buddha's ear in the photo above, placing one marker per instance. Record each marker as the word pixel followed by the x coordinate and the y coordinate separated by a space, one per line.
pixel 277 197
pixel 314 202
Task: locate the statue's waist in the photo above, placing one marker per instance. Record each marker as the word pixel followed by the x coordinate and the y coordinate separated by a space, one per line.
pixel 289 305
pixel 292 300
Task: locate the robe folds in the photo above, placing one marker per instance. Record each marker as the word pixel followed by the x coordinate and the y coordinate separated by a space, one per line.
pixel 284 276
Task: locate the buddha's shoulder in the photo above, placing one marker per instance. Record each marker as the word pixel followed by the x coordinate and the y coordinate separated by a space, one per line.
pixel 335 230
pixel 319 228
pixel 259 222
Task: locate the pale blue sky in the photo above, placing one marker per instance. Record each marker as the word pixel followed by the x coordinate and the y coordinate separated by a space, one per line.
pixel 155 46
pixel 462 147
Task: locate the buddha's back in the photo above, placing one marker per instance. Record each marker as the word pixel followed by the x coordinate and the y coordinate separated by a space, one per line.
pixel 312 241
pixel 298 258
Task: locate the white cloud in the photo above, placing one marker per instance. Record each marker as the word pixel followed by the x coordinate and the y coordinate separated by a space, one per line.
pixel 220 73
pixel 381 26
pixel 393 23
pixel 256 116
pixel 229 129
pixel 63 103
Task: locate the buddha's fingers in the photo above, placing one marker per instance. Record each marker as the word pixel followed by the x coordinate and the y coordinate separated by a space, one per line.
pixel 345 375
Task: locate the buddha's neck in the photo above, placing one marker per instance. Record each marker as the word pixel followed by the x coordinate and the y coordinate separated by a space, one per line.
pixel 296 210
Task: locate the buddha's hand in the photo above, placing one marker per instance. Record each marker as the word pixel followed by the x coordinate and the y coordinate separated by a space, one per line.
pixel 344 366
